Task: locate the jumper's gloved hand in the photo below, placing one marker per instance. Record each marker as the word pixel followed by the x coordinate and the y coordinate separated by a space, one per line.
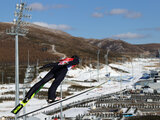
pixel 41 68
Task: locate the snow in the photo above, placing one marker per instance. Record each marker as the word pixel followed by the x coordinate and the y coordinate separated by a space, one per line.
pixel 41 116
pixel 76 112
pixel 80 76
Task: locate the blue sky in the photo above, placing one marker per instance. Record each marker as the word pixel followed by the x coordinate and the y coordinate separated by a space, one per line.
pixel 134 21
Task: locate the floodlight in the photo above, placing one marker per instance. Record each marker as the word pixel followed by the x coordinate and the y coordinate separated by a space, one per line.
pixel 28 9
pixel 14 21
pixel 17 6
pixel 15 14
pixel 29 16
pixel 21 6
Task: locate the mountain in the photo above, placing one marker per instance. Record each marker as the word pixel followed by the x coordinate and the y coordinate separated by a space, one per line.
pixel 119 46
pixel 48 45
pixel 151 48
pixel 40 42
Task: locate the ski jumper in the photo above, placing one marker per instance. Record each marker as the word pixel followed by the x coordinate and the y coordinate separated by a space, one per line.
pixel 58 72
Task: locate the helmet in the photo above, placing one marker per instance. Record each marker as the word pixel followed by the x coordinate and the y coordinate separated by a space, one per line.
pixel 75 56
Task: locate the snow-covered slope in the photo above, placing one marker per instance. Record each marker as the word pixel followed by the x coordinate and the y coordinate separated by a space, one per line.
pixel 83 77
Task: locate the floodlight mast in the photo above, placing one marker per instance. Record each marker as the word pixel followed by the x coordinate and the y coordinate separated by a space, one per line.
pixel 17 30
pixel 159 58
pixel 98 52
pixel 106 59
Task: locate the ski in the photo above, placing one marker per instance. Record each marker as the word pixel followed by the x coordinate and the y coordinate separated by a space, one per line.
pixel 59 101
pixel 23 103
pixel 19 107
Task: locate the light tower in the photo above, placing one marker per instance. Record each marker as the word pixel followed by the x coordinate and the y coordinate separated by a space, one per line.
pixel 18 30
pixel 106 59
pixel 61 114
pixel 98 52
pixel 159 58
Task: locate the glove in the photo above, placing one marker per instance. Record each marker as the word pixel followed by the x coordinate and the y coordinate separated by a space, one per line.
pixel 41 68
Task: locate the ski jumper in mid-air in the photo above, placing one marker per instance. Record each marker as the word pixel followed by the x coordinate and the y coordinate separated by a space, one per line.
pixel 58 71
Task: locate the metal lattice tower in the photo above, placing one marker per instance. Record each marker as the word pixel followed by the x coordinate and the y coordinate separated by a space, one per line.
pixel 18 30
